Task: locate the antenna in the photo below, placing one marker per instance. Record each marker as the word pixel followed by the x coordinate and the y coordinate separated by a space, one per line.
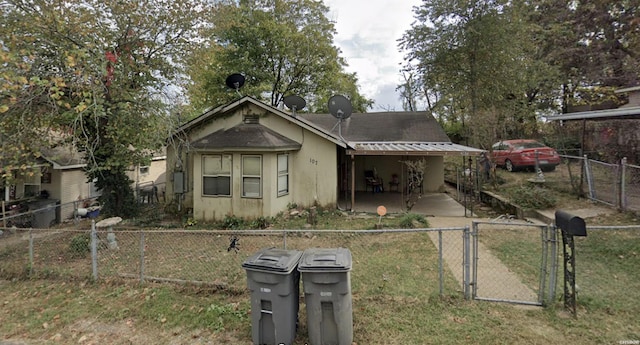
pixel 235 81
pixel 340 107
pixel 294 103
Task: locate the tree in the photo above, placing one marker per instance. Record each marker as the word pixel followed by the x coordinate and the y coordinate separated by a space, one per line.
pixel 94 75
pixel 282 47
pixel 596 45
pixel 473 63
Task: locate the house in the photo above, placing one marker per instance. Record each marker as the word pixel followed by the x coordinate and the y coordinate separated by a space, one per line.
pixel 251 160
pixel 59 178
pixel 613 133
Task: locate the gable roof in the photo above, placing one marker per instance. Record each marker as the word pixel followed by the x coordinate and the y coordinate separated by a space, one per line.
pixel 384 126
pixel 396 133
pixel 231 107
pixel 246 136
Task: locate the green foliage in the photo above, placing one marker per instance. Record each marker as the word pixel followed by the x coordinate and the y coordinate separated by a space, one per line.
pixel 532 197
pixel 80 245
pixel 259 223
pixel 89 79
pixel 409 220
pixel 231 222
pixel 282 47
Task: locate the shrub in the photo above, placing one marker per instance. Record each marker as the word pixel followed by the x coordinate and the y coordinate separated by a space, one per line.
pixel 532 197
pixel 80 245
pixel 232 222
pixel 259 223
pixel 409 220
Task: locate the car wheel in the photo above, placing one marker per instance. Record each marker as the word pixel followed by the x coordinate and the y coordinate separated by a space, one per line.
pixel 509 166
pixel 548 168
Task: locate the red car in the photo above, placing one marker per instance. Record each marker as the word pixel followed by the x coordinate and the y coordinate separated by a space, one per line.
pixel 521 154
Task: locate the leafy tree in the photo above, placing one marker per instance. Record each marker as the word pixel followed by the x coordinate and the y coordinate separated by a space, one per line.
pixel 92 74
pixel 474 63
pixel 282 47
pixel 596 45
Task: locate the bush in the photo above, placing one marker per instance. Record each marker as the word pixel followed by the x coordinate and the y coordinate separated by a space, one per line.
pixel 532 197
pixel 409 220
pixel 232 223
pixel 80 245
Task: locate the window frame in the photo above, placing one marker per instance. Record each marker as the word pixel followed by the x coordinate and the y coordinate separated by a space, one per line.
pixel 244 193
pixel 221 157
pixel 282 173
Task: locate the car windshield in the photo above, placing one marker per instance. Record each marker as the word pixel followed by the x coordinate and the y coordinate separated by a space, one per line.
pixel 528 145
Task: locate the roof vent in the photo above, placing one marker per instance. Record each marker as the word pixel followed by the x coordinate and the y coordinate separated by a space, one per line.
pixel 251 119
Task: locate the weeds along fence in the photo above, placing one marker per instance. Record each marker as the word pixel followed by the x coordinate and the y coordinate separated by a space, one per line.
pixel 614 184
pixel 606 270
pixel 411 262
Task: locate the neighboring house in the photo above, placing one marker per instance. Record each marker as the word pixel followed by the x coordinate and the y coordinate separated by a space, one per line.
pixel 614 133
pixel 248 159
pixel 57 177
pixel 60 176
pixel 147 177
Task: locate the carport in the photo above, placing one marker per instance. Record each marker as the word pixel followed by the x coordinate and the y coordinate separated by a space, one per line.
pixel 402 151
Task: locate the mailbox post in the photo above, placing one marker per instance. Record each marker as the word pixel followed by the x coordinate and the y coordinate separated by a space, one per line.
pixel 570 226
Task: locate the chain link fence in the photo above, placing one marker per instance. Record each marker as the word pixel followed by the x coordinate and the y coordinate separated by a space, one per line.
pixel 514 261
pixel 606 271
pixel 410 262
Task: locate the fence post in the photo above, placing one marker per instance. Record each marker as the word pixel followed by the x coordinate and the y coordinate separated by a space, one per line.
pixel 141 256
pixel 30 252
pixel 622 201
pixel 465 263
pixel 587 172
pixel 284 239
pixel 543 264
pixel 440 263
pixel 94 250
pixel 553 239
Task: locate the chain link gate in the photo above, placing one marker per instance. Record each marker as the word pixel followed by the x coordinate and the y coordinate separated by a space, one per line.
pixel 513 261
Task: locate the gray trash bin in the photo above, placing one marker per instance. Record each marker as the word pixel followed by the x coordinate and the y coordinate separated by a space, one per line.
pixel 44 213
pixel 274 283
pixel 327 294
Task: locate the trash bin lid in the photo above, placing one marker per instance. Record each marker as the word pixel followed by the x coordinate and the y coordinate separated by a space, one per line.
pixel 325 260
pixel 273 260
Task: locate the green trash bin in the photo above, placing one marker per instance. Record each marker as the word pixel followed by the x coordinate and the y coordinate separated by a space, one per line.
pixel 274 283
pixel 327 294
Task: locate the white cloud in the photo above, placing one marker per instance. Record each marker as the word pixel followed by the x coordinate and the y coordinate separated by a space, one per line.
pixel 368 33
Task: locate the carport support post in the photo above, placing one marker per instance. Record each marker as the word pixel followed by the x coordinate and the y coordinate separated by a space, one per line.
pixel 353 182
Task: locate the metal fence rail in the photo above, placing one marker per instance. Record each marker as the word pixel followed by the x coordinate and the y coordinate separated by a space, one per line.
pixel 515 262
pixel 407 262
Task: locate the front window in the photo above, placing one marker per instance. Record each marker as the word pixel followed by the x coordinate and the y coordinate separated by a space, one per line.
pixel 216 175
pixel 283 174
pixel 252 176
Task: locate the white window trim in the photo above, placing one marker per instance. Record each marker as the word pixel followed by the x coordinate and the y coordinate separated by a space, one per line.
pixel 203 175
pixel 259 177
pixel 280 174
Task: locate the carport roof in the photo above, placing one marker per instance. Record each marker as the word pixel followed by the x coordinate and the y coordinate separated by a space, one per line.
pixel 413 149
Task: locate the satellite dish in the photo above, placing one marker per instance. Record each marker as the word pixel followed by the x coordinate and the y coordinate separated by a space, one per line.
pixel 294 103
pixel 340 107
pixel 235 81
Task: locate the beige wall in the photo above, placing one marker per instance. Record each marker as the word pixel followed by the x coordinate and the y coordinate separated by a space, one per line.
pixel 386 166
pixel 68 186
pixel 312 172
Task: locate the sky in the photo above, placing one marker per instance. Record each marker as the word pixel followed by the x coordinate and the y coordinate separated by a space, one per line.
pixel 367 34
